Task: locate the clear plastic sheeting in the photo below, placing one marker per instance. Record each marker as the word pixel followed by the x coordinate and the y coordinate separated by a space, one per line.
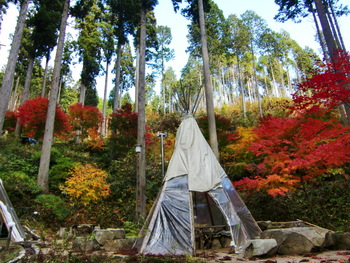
pixel 171 227
pixel 226 207
pixel 9 216
pixel 249 225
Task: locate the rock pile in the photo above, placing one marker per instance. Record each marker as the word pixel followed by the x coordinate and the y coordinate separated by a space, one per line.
pixel 92 238
pixel 295 238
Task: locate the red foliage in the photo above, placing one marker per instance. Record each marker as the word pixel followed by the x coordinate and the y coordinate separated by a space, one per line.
pixel 84 117
pixel 124 126
pixel 32 116
pixel 326 89
pixel 10 121
pixel 296 149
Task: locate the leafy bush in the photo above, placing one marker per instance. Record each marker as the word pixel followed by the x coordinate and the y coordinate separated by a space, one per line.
pixel 19 170
pixel 32 116
pixel 52 208
pixel 60 166
pixel 86 184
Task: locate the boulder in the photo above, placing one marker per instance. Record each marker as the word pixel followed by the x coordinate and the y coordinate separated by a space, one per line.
pixel 103 235
pixel 83 229
pixel 84 244
pixel 260 247
pixel 297 240
pixel 119 244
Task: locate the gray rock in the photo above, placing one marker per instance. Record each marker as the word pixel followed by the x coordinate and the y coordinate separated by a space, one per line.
pixel 341 240
pixel 119 233
pixel 260 247
pixel 103 235
pixel 297 240
pixel 85 244
pixel 83 229
pixel 119 244
pixel 295 244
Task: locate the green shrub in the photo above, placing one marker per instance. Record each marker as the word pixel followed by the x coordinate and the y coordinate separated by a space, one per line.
pixel 52 208
pixel 325 202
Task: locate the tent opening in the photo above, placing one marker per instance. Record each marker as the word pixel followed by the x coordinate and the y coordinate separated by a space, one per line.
pixel 206 212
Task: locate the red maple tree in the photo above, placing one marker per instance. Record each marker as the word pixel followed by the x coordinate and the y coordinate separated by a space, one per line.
pixel 297 149
pixel 327 88
pixel 84 118
pixel 32 115
pixel 292 150
pixel 124 127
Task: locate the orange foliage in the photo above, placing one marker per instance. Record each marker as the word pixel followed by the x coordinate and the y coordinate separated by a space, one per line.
pixel 86 184
pixel 291 150
pixel 95 142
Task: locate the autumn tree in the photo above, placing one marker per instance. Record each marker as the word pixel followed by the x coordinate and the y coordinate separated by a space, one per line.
pixel 308 145
pixel 84 118
pixel 295 150
pixel 124 123
pixel 32 115
pixel 324 91
pixel 44 24
pixel 86 184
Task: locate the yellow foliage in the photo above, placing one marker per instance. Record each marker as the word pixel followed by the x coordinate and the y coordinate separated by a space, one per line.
pixel 245 137
pixel 86 184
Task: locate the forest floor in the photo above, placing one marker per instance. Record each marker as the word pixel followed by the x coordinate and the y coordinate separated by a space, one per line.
pixel 224 255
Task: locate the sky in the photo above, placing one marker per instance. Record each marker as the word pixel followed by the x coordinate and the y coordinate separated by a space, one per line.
pixel 303 33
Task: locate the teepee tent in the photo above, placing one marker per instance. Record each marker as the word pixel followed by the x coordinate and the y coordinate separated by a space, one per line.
pixel 194 171
pixel 8 217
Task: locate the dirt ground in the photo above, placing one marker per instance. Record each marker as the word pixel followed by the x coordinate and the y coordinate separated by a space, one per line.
pixel 224 255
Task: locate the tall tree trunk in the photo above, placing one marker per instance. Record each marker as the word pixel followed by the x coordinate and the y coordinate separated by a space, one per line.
pixel 137 78
pixel 43 175
pixel 14 96
pixel 240 83
pixel 320 38
pixel 43 87
pixel 117 76
pixel 256 81
pixel 337 27
pixel 275 88
pixel 7 81
pixel 25 93
pixel 327 32
pixel 334 31
pixel 141 122
pixel 104 107
pixel 213 139
pixel 82 93
pixel 283 85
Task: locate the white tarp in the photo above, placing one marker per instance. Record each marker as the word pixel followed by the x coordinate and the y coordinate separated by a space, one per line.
pixel 194 157
pixel 9 216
